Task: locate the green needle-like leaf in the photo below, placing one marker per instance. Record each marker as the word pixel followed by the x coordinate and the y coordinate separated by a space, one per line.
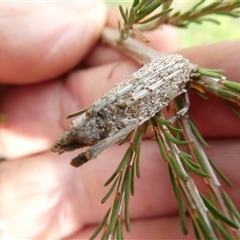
pixel 126 157
pixel 231 205
pixel 114 215
pixel 182 25
pixel 230 14
pixel 127 218
pixel 209 73
pixel 198 134
pixel 187 156
pixel 233 109
pixel 200 159
pixel 221 92
pixel 173 129
pixel 156 16
pixel 137 164
pixel 172 178
pixel 211 20
pixel 182 210
pixel 196 232
pixel 103 237
pixel 176 168
pixel 216 212
pixel 211 6
pixel 185 159
pixel 233 85
pixel 148 9
pixel 131 17
pixel 119 230
pixel 136 146
pixel 135 3
pixel 176 14
pixel 139 5
pixel 132 184
pixel 105 198
pixel 138 139
pixel 123 14
pixel 186 14
pixel 172 139
pixel 126 13
pixel 220 173
pixel 191 167
pixel 128 184
pixel 221 229
pixel 161 148
pixel 161 121
pixel 198 4
pixel 203 227
pixel 100 226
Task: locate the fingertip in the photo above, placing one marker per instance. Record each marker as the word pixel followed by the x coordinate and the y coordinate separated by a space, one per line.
pixel 65 33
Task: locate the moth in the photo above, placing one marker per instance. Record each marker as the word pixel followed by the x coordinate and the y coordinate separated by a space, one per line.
pixel 126 106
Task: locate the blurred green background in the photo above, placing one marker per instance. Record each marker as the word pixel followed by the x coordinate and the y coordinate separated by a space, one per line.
pixel 197 34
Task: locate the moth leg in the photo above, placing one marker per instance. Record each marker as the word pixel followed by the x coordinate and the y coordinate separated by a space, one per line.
pixel 93 151
pixel 182 111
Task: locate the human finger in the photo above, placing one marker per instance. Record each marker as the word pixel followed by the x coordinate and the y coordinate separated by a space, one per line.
pixel 43 40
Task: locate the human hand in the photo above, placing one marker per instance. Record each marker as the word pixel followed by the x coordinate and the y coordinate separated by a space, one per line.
pixel 42 196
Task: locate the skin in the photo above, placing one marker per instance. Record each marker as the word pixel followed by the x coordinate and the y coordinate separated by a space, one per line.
pixel 42 196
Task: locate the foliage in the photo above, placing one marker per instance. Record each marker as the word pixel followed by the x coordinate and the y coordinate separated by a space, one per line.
pixel 135 20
